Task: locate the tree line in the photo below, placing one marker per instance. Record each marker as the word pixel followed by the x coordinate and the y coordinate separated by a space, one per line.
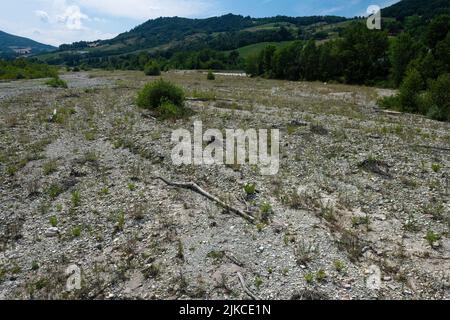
pixel 417 61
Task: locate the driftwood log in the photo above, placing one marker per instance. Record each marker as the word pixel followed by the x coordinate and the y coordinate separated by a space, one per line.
pixel 196 188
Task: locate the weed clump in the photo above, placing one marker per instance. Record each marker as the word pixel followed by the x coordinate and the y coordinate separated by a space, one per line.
pixel 155 94
pixel 210 76
pixel 57 82
pixel 152 69
pixel 163 97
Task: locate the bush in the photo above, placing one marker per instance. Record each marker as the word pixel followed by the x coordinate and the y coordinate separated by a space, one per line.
pixel 210 75
pixel 409 96
pixel 167 110
pixel 152 69
pixel 160 92
pixel 57 82
pixel 392 103
pixel 25 69
pixel 438 99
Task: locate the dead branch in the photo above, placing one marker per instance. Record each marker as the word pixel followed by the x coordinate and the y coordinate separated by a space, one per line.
pixel 196 188
pixel 247 291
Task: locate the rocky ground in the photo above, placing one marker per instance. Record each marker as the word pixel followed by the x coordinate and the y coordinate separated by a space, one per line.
pixel 359 209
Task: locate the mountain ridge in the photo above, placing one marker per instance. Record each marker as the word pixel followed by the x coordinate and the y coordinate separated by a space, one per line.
pixel 12 45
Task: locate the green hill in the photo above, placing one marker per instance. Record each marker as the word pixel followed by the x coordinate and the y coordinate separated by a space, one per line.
pixel 425 8
pixel 13 46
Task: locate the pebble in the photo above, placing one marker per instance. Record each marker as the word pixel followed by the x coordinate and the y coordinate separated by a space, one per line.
pixel 51 232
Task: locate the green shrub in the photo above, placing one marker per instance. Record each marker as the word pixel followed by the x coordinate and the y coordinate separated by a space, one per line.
pixel 25 69
pixel 167 110
pixel 152 69
pixel 57 82
pixel 409 95
pixel 154 94
pixel 391 103
pixel 250 189
pixel 210 75
pixel 438 99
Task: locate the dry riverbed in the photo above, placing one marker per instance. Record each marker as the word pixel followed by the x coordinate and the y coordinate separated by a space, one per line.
pixel 359 209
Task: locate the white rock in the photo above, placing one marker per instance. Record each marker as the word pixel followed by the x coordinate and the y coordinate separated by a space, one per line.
pixel 52 232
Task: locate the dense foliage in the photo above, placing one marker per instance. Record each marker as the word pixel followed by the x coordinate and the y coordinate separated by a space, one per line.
pixel 25 69
pixel 159 92
pixel 417 61
pixel 360 56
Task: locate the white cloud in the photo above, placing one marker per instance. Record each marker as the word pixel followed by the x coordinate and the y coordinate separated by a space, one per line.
pixel 147 9
pixel 43 16
pixel 72 18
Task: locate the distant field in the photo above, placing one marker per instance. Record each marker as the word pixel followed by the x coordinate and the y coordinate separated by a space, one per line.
pixel 256 48
pixel 271 26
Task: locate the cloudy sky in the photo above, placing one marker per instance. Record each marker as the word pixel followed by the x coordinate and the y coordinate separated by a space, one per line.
pixel 65 21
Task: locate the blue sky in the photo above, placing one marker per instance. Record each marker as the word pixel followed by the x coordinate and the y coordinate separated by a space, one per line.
pixel 65 21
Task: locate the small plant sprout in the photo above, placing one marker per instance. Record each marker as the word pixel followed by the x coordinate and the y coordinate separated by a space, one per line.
pixel 309 278
pixel 436 167
pixel 432 238
pixel 258 282
pixel 54 221
pixel 339 265
pixel 321 275
pixel 76 232
pixel 250 189
pixel 266 211
pixel 76 199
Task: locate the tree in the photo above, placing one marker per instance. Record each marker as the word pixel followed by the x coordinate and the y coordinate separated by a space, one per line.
pixel 437 30
pixel 152 69
pixel 438 98
pixel 410 91
pixel 364 54
pixel 310 61
pixel 403 51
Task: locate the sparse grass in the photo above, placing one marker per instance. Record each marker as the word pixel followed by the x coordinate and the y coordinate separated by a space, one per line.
pixel 50 167
pixel 361 221
pixel 339 266
pixel 53 191
pixel 57 82
pixel 152 271
pixel 321 275
pixel 216 256
pixel 434 209
pixel 76 199
pixel 305 253
pixel 132 187
pixel 180 250
pixel 76 232
pixel 436 167
pixel 266 211
pixel 351 243
pixel 204 95
pixel 250 189
pixel 432 237
pixel 104 191
pixel 120 221
pixel 34 266
pixel 309 278
pixel 54 221
pixel 258 282
pixel 91 157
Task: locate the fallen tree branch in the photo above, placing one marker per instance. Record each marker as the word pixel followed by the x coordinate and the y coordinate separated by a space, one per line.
pixel 196 188
pixel 247 291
